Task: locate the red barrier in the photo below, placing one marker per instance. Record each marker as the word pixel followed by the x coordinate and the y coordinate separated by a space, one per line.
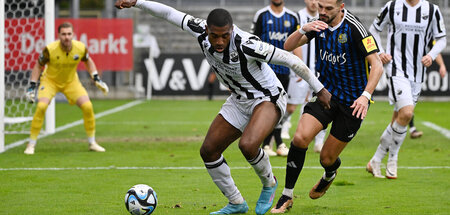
pixel 109 41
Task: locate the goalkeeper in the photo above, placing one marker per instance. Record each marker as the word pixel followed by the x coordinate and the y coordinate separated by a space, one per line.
pixel 62 58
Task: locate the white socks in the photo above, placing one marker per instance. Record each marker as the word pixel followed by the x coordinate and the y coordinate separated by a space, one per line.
pixel 390 141
pixel 398 137
pixel 32 142
pixel 220 174
pixel 263 169
pixel 288 192
pixel 385 142
pixel 91 140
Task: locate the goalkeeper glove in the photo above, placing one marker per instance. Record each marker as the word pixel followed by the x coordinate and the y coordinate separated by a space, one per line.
pixel 99 83
pixel 31 92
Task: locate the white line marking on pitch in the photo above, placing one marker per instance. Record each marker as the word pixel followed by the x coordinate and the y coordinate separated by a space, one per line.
pixel 438 128
pixel 191 168
pixel 78 122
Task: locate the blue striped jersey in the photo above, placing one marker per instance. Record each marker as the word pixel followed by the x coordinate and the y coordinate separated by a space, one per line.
pixel 340 58
pixel 274 29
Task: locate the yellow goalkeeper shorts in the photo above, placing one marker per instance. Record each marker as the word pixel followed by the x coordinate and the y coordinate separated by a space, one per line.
pixel 72 90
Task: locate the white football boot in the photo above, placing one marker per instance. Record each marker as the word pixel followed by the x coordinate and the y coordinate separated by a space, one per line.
pixel 96 148
pixel 282 150
pixel 374 168
pixel 268 150
pixel 391 169
pixel 30 149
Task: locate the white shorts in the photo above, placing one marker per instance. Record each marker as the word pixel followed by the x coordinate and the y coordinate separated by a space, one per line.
pixel 403 92
pixel 238 112
pixel 299 92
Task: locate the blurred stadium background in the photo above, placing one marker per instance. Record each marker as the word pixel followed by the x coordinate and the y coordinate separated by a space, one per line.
pixel 176 45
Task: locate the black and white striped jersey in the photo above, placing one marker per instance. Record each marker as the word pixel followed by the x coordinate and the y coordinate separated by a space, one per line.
pixel 242 66
pixel 308 50
pixel 410 28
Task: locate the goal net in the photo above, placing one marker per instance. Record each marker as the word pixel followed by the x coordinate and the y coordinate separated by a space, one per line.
pixel 28 26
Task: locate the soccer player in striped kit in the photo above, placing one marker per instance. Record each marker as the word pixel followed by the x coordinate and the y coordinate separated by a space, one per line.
pixel 257 101
pixel 412 24
pixel 344 53
pixel 273 24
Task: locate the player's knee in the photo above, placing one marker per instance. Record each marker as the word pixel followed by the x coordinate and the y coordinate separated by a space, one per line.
pixel 326 160
pixel 87 107
pixel 41 107
pixel 291 108
pixel 300 141
pixel 406 115
pixel 207 152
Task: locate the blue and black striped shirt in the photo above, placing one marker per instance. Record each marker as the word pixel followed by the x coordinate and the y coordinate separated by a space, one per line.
pixel 341 58
pixel 275 29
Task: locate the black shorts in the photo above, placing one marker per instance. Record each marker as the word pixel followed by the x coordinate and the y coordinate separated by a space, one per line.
pixel 344 126
pixel 284 79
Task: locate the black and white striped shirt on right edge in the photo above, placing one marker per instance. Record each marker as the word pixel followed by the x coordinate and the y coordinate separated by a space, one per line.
pixel 410 28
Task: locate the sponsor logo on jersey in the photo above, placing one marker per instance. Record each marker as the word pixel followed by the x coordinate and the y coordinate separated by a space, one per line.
pixel 342 38
pixel 278 36
pixel 287 24
pixel 369 44
pixel 330 57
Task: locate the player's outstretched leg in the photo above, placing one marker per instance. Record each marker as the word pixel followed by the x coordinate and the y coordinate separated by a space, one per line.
pixel 221 175
pixel 325 181
pixel 263 169
pixel 386 139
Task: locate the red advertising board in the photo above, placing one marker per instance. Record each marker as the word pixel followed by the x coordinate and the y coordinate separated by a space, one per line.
pixel 109 41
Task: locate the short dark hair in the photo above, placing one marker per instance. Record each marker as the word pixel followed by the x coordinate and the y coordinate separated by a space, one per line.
pixel 65 25
pixel 219 17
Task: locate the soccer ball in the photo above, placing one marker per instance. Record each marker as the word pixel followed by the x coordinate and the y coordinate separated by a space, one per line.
pixel 141 200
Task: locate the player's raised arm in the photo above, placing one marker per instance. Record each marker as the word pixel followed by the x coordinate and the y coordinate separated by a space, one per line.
pixel 156 9
pixel 268 53
pixel 298 38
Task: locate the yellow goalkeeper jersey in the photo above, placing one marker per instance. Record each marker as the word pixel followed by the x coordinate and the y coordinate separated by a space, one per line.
pixel 61 65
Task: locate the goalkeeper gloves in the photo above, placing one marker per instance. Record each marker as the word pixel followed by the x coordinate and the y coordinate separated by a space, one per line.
pixel 99 83
pixel 31 92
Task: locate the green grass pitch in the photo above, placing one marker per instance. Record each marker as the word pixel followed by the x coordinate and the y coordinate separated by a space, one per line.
pixel 158 136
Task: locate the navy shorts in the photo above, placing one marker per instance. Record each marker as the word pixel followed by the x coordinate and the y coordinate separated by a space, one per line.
pixel 344 125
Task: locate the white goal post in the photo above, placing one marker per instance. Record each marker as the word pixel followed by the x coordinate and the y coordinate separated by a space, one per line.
pixel 20 20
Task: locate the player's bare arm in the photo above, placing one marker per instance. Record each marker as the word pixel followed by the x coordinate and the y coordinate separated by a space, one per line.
pixel 297 38
pixel 442 67
pixel 361 104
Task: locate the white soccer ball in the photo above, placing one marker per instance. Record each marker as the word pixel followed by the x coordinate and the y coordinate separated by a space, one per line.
pixel 141 199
